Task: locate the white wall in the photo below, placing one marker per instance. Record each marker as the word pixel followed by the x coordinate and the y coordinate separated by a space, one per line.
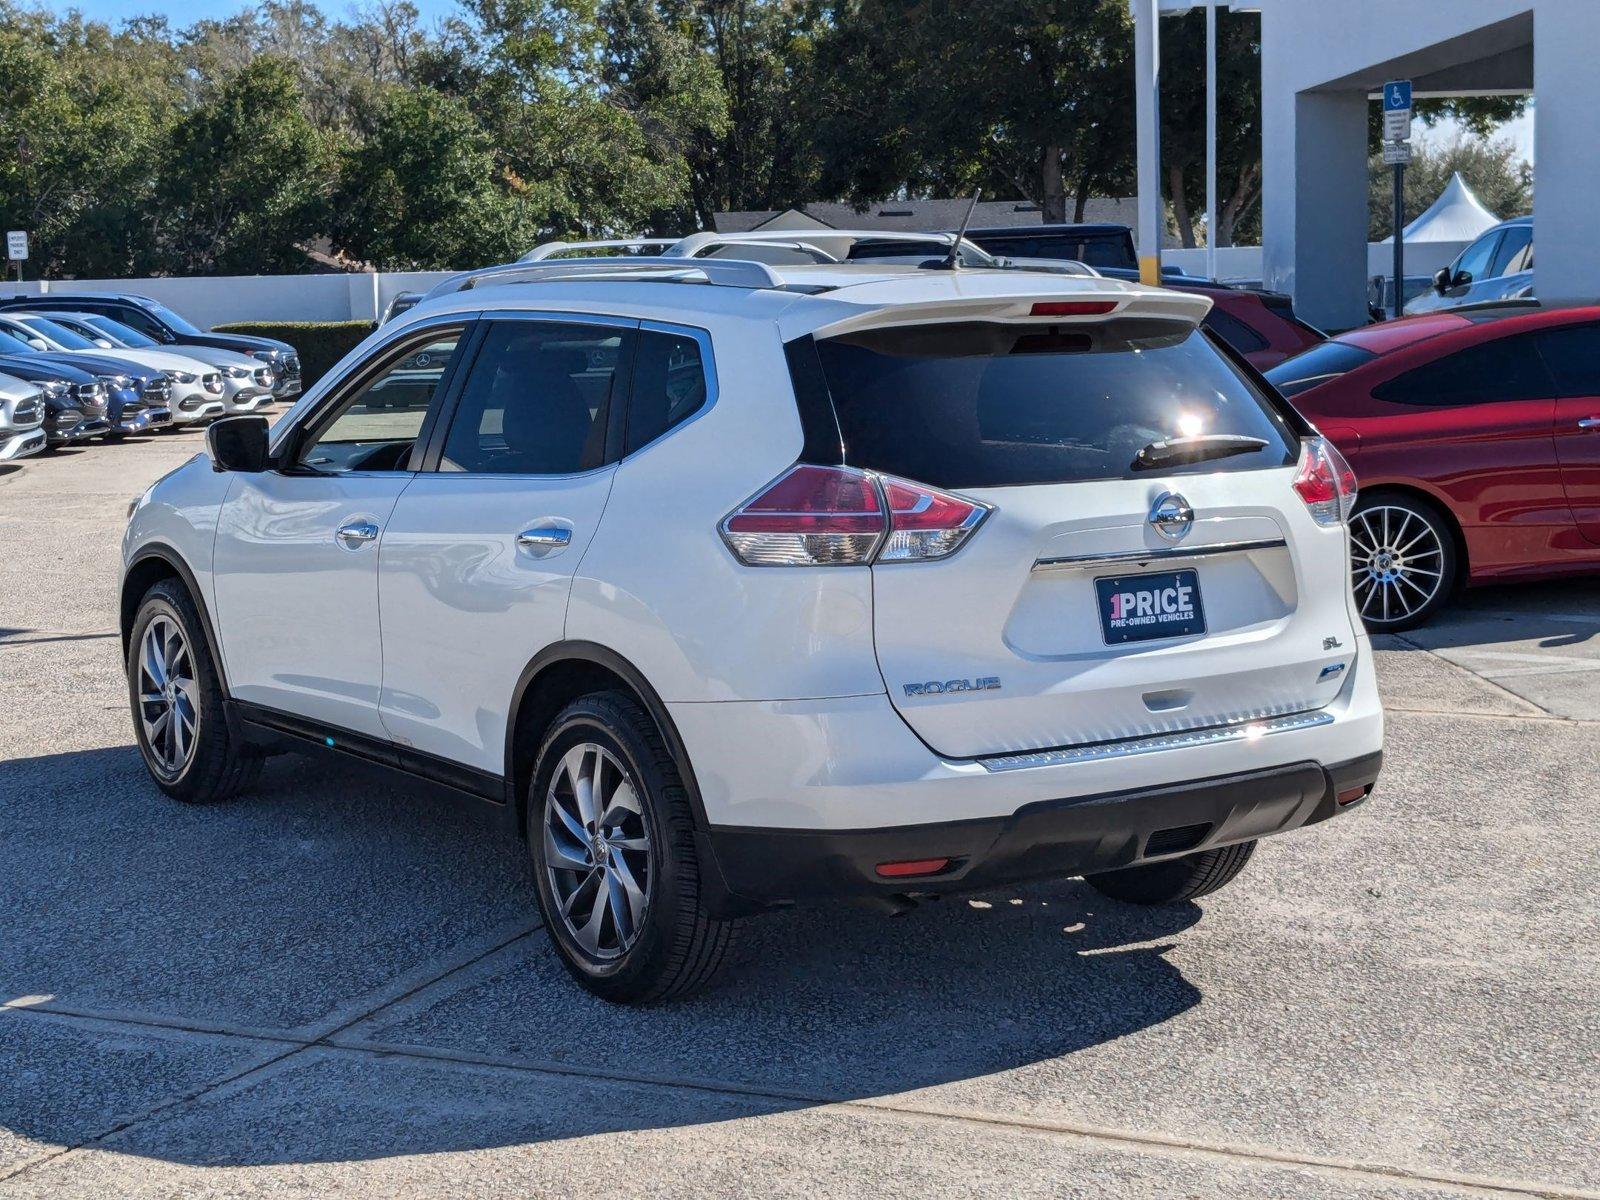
pixel 217 300
pixel 1245 262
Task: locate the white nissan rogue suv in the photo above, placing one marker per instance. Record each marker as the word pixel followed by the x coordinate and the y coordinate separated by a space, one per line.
pixel 730 586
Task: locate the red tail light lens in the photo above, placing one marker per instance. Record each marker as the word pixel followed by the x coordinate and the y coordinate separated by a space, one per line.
pixel 926 524
pixel 839 516
pixel 1325 482
pixel 810 517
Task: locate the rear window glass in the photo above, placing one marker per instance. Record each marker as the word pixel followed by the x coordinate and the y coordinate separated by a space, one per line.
pixel 1317 366
pixel 1507 368
pixel 1098 250
pixel 989 405
pixel 1235 332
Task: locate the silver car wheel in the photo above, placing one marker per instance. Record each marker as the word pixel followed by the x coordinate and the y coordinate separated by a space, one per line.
pixel 1396 562
pixel 597 852
pixel 169 697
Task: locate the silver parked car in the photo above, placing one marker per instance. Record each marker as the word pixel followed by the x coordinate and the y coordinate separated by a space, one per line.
pixel 1497 266
pixel 21 418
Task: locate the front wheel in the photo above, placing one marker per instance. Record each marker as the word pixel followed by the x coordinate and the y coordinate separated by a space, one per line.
pixel 1177 879
pixel 611 834
pixel 1402 561
pixel 176 696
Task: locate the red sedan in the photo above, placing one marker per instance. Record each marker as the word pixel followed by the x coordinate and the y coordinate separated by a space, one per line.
pixel 1476 437
pixel 1259 325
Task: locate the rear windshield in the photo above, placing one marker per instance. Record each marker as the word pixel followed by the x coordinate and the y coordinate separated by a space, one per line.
pixel 1096 249
pixel 988 405
pixel 1317 366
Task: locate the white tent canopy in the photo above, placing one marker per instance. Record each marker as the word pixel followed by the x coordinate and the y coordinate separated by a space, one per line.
pixel 1456 216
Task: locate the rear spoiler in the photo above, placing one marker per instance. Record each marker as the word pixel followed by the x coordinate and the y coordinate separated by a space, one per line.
pixel 1059 308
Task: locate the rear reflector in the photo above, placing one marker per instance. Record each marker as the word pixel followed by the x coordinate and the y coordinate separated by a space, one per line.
pixel 914 866
pixel 1351 795
pixel 1073 308
pixel 1325 482
pixel 839 516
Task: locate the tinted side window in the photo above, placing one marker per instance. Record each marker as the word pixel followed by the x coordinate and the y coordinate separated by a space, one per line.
pixel 374 427
pixel 669 385
pixel 1515 241
pixel 1507 368
pixel 1476 258
pixel 538 399
pixel 1573 356
pixel 1235 332
pixel 135 318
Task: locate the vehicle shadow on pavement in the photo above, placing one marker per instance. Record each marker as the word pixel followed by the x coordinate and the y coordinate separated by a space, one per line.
pixel 340 889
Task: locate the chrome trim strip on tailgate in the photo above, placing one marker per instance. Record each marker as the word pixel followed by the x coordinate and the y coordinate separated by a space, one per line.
pixel 1119 557
pixel 1239 731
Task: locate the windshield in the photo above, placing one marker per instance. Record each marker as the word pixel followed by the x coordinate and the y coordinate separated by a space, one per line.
pixel 1317 366
pixel 169 318
pixel 987 405
pixel 59 334
pixel 125 334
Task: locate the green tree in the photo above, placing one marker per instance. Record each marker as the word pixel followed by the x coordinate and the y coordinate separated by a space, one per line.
pixel 422 190
pixel 245 179
pixel 1491 168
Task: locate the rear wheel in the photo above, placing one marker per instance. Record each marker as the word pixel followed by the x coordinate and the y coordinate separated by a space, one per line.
pixel 1402 561
pixel 612 839
pixel 1177 879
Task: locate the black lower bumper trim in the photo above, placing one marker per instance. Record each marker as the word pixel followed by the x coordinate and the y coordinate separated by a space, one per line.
pixel 1049 839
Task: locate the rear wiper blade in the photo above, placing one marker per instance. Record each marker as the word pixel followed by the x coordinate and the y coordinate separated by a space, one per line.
pixel 1200 448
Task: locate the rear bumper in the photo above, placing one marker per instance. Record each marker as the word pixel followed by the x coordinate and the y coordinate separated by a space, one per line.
pixel 1047 839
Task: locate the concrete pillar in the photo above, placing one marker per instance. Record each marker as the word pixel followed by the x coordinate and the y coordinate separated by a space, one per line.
pixel 1566 169
pixel 1314 219
pixel 1147 116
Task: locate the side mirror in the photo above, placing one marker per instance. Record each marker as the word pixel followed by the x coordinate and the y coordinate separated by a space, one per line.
pixel 1441 280
pixel 238 444
pixel 38 343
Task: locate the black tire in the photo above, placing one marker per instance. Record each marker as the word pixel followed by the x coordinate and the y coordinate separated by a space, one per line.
pixel 1400 545
pixel 678 946
pixel 220 765
pixel 1177 879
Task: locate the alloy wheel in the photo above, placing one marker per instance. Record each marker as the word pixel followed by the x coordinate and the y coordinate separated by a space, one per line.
pixel 597 851
pixel 169 707
pixel 1397 563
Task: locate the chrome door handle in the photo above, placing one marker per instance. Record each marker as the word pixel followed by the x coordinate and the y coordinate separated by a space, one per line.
pixel 1589 423
pixel 545 537
pixel 356 532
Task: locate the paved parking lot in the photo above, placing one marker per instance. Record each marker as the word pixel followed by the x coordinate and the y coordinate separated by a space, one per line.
pixel 337 984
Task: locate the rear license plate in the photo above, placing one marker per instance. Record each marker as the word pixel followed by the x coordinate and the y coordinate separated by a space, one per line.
pixel 1141 608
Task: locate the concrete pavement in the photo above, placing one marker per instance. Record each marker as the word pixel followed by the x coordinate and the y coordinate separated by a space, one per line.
pixel 337 983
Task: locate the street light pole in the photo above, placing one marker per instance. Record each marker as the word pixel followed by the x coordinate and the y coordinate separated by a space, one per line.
pixel 1147 112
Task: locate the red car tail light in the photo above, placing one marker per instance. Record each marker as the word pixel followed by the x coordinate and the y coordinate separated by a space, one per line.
pixel 840 517
pixel 912 866
pixel 1325 482
pixel 809 517
pixel 926 524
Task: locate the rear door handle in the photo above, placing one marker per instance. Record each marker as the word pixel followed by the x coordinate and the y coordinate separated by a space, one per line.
pixel 356 533
pixel 1589 423
pixel 545 537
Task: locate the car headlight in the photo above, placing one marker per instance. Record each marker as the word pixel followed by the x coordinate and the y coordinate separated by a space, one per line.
pixel 236 372
pixel 266 356
pixel 180 376
pixel 55 389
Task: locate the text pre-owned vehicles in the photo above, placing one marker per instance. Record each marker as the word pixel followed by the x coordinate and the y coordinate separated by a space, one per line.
pixel 1476 434
pixel 195 389
pixel 246 382
pixel 730 586
pixel 160 323
pixel 21 418
pixel 76 403
pixel 1498 265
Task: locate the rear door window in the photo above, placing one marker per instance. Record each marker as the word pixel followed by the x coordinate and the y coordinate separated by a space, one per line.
pixel 1573 356
pixel 1506 259
pixel 1507 368
pixel 1318 365
pixel 989 405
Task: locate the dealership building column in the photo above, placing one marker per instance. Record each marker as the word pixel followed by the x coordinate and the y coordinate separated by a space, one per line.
pixel 1566 151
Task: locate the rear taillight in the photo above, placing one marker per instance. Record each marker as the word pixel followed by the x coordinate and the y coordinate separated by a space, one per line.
pixel 841 517
pixel 1325 482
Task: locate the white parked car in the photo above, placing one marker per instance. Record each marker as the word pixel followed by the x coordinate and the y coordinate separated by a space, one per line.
pixel 21 418
pixel 247 382
pixel 729 586
pixel 197 387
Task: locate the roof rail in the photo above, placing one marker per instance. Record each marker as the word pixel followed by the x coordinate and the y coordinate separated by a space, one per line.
pixel 722 272
pixel 547 250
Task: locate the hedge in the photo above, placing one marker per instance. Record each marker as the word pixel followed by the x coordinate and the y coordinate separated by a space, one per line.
pixel 320 343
